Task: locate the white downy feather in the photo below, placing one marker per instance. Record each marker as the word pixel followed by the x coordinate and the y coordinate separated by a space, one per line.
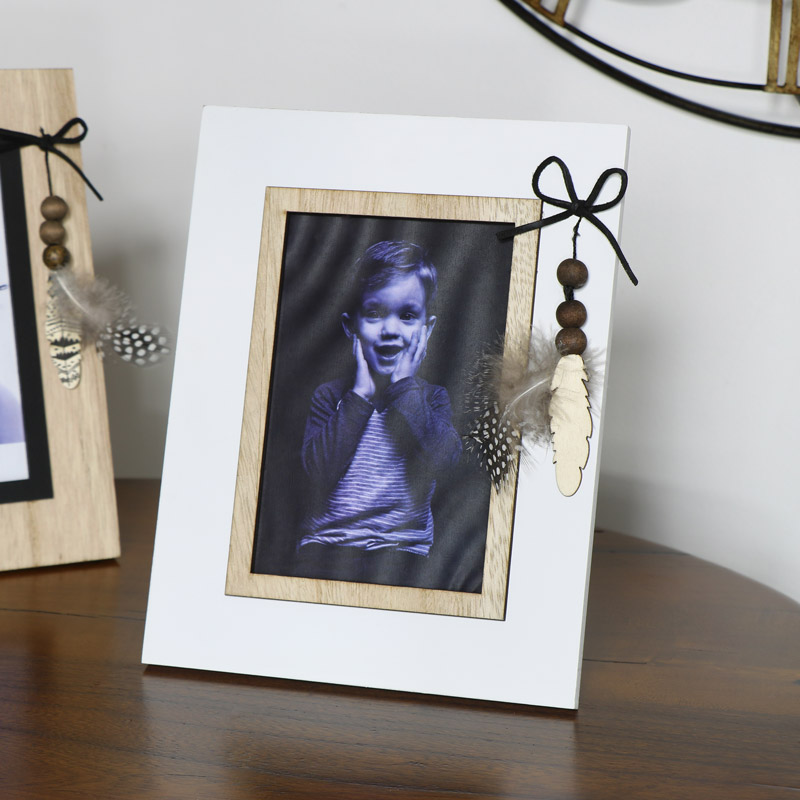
pixel 93 303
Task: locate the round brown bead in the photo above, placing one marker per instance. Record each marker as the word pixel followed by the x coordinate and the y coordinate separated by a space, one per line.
pixel 51 231
pixel 55 256
pixel 571 341
pixel 54 207
pixel 571 314
pixel 572 272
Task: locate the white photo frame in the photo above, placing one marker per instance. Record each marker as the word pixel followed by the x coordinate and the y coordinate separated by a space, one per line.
pixel 533 654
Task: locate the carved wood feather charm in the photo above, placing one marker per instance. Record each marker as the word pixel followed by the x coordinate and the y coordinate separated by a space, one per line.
pixel 570 422
pixel 64 335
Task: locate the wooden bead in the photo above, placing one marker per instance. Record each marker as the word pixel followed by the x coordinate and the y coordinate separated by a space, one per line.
pixel 54 207
pixel 571 341
pixel 572 272
pixel 55 256
pixel 51 231
pixel 571 314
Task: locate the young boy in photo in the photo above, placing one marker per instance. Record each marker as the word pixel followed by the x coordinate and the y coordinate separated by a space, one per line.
pixel 375 443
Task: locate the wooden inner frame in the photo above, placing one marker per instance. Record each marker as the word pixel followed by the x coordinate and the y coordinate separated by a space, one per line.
pixel 490 604
pixel 79 523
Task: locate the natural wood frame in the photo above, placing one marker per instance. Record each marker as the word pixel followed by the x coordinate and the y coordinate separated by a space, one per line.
pixel 79 523
pixel 490 604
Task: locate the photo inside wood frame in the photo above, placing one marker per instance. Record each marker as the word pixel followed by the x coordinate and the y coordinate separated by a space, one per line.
pixel 24 454
pixel 355 485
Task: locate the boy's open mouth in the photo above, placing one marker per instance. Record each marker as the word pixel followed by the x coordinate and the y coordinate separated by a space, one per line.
pixel 388 351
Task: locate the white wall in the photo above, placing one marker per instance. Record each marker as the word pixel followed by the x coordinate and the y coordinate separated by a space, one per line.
pixel 701 435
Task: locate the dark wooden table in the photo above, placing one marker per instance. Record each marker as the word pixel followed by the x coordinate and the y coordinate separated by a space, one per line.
pixel 691 689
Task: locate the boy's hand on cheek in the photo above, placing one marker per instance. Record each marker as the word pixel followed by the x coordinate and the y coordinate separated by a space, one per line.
pixel 411 358
pixel 364 386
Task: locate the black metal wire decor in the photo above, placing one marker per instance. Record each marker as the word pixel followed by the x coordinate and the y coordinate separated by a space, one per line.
pixel 543 22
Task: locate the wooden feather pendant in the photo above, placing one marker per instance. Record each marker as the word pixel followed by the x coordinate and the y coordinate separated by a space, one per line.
pixel 570 422
pixel 64 335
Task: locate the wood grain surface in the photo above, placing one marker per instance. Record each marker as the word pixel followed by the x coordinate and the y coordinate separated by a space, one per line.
pixel 691 689
pixel 491 602
pixel 552 9
pixel 788 83
pixel 774 49
pixel 79 523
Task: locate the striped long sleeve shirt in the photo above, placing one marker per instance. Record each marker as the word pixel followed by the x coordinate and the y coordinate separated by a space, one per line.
pixel 375 468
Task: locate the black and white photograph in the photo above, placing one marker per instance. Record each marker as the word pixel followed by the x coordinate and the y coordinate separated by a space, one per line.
pixel 365 477
pixel 24 458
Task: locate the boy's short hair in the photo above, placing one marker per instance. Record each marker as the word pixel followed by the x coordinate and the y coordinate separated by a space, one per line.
pixel 385 261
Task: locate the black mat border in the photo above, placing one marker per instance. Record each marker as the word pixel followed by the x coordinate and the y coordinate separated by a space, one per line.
pixel 39 484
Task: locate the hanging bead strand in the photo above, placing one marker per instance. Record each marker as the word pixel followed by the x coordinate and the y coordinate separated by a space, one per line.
pixel 570 417
pixel 571 314
pixel 63 333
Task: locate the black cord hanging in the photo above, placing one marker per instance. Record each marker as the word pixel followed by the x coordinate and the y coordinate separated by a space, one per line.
pixel 48 143
pixel 575 207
